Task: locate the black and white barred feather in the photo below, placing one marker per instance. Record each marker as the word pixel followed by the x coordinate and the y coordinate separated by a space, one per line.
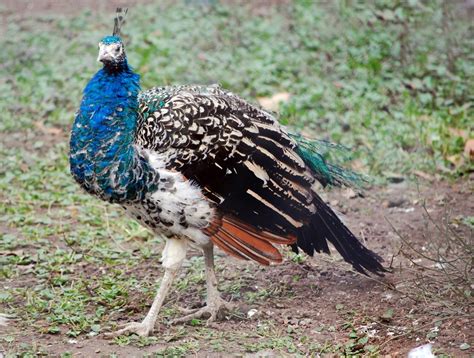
pixel 237 153
pixel 246 164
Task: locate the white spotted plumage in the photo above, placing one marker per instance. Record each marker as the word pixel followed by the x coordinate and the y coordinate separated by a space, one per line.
pixel 177 208
pixel 196 127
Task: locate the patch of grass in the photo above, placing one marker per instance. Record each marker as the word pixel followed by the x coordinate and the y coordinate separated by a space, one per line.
pixel 390 80
pixel 280 344
pixel 181 350
pixel 393 81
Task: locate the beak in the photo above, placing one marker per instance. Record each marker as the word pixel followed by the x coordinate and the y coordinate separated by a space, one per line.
pixel 104 55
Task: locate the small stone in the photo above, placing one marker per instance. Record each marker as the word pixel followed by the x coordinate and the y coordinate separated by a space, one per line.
pixel 350 194
pixel 395 178
pixel 464 346
pixel 423 351
pixel 251 313
pixel 394 203
pixel 346 127
pixel 305 322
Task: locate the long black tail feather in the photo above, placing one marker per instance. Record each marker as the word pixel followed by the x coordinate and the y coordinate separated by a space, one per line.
pixel 326 226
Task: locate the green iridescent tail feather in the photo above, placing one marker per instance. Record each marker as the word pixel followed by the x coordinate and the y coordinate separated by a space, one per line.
pixel 314 152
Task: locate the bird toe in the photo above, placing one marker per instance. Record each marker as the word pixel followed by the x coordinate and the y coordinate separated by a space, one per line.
pixel 142 329
pixel 213 311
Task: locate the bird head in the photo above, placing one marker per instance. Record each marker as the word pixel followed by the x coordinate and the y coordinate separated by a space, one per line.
pixel 111 48
pixel 111 51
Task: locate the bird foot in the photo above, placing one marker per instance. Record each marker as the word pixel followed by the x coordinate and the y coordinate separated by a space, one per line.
pixel 143 329
pixel 214 309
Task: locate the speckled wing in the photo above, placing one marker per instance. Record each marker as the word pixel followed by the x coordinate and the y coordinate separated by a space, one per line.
pixel 238 154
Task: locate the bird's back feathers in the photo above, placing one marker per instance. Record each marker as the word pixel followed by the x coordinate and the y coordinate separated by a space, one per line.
pixel 238 154
pixel 257 176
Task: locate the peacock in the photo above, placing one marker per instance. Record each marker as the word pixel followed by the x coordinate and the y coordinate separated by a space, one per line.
pixel 202 167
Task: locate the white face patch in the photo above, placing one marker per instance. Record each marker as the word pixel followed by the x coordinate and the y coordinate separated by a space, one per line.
pixel 110 52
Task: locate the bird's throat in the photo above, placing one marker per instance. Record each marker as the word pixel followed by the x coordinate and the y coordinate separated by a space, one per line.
pixel 103 157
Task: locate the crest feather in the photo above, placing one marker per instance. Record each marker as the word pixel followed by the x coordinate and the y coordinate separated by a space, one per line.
pixel 119 20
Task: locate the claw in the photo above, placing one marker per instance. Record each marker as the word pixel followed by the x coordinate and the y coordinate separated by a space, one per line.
pixel 212 309
pixel 143 329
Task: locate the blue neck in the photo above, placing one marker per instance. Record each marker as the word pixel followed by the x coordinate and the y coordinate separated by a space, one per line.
pixel 103 157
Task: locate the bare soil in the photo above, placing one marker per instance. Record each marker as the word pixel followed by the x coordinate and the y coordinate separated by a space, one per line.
pixel 319 298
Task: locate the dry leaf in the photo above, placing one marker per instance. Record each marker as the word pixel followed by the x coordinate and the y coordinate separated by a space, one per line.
pixel 73 212
pixel 423 175
pixel 349 193
pixel 358 165
pixel 458 132
pixel 47 130
pixel 272 103
pixel 469 149
pixel 456 159
pixel 39 125
pixel 54 130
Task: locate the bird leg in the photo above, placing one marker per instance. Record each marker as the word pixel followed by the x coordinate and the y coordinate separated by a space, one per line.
pixel 215 305
pixel 145 327
pixel 173 256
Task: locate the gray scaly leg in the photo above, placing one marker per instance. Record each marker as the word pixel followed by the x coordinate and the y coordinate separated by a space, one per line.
pixel 173 257
pixel 215 305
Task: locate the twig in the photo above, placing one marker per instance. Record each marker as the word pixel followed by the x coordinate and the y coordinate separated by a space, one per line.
pixel 414 330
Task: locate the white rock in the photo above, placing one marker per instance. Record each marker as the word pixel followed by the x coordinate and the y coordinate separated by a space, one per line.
pixel 251 313
pixel 421 352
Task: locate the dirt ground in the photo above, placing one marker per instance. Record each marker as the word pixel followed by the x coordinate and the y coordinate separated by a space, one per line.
pixel 319 298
